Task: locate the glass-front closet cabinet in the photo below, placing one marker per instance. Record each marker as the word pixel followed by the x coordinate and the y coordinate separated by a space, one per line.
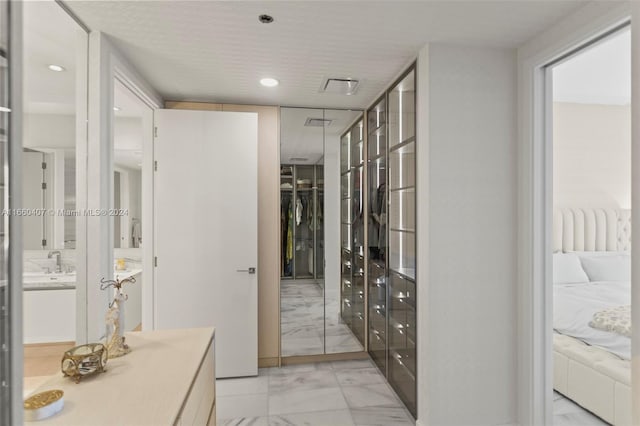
pixel 379 235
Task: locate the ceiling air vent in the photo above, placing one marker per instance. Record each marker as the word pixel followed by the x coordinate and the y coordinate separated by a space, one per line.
pixel 317 122
pixel 340 86
pixel 298 159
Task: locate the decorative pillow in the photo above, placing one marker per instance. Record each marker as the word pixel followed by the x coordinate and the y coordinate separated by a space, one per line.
pixel 567 269
pixel 615 320
pixel 607 268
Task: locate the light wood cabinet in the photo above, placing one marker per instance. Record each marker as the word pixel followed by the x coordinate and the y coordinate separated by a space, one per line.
pixel 167 379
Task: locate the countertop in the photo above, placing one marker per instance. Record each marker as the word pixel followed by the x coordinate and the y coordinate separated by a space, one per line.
pixel 145 387
pixel 64 281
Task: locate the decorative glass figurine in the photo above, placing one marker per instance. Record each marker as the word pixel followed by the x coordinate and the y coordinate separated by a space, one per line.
pixel 114 318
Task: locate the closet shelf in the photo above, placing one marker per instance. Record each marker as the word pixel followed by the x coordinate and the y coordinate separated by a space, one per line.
pixel 409 231
pixel 408 188
pixel 402 144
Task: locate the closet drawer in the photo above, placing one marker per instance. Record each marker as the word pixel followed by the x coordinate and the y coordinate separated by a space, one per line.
pixel 402 380
pixel 402 293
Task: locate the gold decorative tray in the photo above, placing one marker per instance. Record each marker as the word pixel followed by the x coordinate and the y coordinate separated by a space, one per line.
pixel 43 405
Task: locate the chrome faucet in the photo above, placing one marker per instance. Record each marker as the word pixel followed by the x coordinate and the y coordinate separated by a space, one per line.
pixel 58 256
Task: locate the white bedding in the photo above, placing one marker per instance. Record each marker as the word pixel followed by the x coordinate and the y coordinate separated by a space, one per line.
pixel 574 306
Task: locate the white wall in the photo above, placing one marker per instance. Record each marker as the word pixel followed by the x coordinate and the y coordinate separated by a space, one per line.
pixel 466 146
pixel 592 155
pixel 50 131
pixel 332 215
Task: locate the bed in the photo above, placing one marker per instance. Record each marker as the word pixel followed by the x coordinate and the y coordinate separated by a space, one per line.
pixel 591 254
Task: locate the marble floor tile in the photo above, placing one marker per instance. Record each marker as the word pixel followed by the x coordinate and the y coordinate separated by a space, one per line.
pixel 381 416
pixel 241 406
pixel 568 413
pixel 244 421
pixel 242 386
pixel 319 418
pixel 295 331
pixel 303 306
pixel 302 346
pixel 578 419
pixel 305 380
pixel 294 401
pixel 379 395
pixel 346 343
pixel 359 376
pixel 297 368
pixel 566 406
pixel 352 364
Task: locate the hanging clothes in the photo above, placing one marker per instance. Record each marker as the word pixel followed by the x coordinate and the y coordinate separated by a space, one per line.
pixel 381 198
pixel 299 209
pixel 136 233
pixel 290 234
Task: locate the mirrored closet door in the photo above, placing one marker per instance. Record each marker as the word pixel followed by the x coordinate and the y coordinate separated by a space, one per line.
pixel 310 259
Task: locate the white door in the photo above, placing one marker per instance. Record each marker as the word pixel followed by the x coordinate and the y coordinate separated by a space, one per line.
pixel 206 230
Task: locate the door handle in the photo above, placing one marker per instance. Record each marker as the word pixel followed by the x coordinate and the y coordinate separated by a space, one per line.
pixel 250 270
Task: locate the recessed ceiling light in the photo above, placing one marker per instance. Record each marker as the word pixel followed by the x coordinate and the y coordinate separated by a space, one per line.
pixel 265 19
pixel 269 82
pixel 56 68
pixel 115 108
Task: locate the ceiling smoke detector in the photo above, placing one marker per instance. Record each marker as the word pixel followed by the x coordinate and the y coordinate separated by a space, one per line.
pixel 340 86
pixel 317 122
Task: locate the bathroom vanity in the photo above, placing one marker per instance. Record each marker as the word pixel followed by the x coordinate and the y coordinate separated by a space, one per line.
pixel 167 379
pixel 49 301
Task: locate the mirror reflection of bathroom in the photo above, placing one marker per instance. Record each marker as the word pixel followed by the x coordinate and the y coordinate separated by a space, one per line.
pixel 54 72
pixel 310 198
pixel 129 111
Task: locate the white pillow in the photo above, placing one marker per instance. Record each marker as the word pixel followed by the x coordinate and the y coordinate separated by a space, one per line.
pixel 567 269
pixel 607 268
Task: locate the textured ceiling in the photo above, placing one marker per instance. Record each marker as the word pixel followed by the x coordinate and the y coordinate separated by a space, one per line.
pixel 218 51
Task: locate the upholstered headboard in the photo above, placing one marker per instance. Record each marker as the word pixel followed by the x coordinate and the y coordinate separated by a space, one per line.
pixel 591 229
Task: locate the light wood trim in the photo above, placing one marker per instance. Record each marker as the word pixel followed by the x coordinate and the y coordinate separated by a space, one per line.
pixel 49 344
pixel 268 362
pixel 199 106
pixel 308 359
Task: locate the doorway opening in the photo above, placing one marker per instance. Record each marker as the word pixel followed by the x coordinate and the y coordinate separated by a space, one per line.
pixel 588 138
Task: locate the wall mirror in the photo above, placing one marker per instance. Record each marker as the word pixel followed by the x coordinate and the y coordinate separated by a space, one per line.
pixel 55 72
pixel 128 137
pixel 310 199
